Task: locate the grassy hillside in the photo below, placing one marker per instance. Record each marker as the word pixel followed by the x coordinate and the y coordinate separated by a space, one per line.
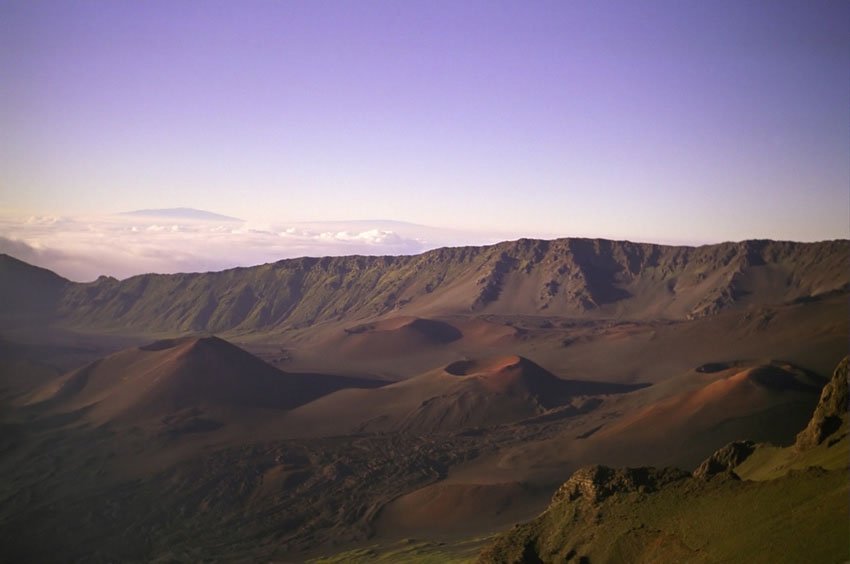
pixel 801 517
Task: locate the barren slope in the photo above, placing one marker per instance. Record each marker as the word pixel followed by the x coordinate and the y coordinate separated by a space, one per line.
pixel 180 376
pixel 465 394
pixel 568 277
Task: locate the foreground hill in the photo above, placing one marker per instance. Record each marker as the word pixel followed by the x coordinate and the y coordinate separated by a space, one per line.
pixel 567 277
pixel 746 503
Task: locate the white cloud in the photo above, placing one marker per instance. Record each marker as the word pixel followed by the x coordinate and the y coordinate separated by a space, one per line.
pixel 82 248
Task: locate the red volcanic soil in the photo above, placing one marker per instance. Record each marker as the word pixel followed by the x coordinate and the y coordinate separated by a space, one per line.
pixel 765 402
pixel 447 508
pixel 740 393
pixel 401 347
pixel 465 394
pixel 397 336
pixel 516 375
pixel 176 374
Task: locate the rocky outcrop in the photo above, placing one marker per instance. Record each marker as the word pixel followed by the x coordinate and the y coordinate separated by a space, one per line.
pixel 725 459
pixel 493 280
pixel 831 412
pixel 594 484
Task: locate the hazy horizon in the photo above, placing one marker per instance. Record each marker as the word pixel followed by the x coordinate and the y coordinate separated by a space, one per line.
pixel 136 242
pixel 133 242
pixel 660 122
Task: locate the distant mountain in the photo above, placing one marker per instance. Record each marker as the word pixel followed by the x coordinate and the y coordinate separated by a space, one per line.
pixel 181 213
pixel 28 289
pixel 579 278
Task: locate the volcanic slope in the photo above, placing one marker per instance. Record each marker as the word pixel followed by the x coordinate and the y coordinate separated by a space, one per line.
pixel 27 292
pixel 465 394
pixel 175 375
pixel 790 506
pixel 564 277
pixel 677 421
pixel 397 335
pixel 768 400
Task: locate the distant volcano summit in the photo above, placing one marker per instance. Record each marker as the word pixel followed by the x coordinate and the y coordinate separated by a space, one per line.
pixel 182 213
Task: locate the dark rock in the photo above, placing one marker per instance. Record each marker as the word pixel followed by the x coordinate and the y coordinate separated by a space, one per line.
pixel 596 483
pixel 831 411
pixel 724 460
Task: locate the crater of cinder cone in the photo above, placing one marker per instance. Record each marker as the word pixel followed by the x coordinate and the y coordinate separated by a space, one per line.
pixel 513 374
pixel 486 366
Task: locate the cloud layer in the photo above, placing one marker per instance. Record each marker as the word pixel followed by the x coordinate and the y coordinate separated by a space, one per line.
pixel 83 248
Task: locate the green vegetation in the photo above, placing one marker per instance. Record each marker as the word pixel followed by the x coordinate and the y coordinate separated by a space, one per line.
pixel 801 517
pixel 770 462
pixel 411 550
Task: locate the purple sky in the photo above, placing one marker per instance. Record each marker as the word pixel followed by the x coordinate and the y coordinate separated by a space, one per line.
pixel 662 121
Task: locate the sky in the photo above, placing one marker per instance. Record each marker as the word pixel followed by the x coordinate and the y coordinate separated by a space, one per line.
pixel 663 121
